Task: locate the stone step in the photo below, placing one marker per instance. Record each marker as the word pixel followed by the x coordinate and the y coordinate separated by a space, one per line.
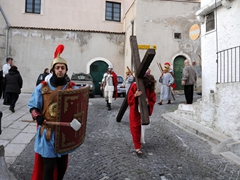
pixel 196 128
pixel 231 156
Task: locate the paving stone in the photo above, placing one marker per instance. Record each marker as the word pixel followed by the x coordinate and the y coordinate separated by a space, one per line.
pixel 108 151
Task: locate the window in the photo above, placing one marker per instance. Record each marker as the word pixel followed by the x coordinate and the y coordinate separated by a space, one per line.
pixel 210 22
pixel 113 11
pixel 33 6
pixel 177 35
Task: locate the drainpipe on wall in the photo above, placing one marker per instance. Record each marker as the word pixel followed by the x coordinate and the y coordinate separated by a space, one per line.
pixel 7 32
pixel 132 22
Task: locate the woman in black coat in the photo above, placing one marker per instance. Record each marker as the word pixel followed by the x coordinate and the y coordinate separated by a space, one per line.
pixel 13 86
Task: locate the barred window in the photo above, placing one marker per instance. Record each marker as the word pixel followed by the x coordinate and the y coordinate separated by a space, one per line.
pixel 113 11
pixel 33 6
pixel 210 22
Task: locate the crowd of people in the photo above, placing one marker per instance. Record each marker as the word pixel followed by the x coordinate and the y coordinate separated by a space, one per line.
pixel 11 84
pixel 51 165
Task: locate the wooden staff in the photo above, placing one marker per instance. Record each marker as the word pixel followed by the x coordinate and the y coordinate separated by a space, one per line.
pixel 161 69
pixel 130 71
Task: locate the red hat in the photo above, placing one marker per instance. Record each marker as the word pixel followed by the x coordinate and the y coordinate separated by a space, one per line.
pixel 167 63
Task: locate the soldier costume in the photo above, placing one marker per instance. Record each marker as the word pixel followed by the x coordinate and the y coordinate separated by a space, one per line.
pixel 109 83
pixel 49 164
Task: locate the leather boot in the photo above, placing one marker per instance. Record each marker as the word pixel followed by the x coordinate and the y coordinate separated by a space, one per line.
pixel 109 107
pixel 107 103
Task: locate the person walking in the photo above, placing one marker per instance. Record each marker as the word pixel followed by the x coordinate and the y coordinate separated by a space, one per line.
pixel 13 87
pixel 109 84
pixel 134 115
pixel 167 80
pixel 6 68
pixel 189 78
pixel 42 106
pixel 129 80
pixel 42 76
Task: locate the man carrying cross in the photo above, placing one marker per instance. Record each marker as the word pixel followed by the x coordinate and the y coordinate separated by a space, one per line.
pixel 134 116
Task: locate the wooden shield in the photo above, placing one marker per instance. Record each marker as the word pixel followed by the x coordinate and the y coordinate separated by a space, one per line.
pixel 71 104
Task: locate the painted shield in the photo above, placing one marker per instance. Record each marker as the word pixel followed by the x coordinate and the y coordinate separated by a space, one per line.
pixel 72 105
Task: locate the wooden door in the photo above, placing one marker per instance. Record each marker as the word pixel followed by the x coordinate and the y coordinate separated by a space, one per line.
pixel 178 66
pixel 97 69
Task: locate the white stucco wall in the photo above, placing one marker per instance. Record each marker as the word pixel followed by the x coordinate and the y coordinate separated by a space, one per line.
pixel 220 108
pixel 154 24
pixel 227 118
pixel 35 48
pixel 223 37
pixel 72 14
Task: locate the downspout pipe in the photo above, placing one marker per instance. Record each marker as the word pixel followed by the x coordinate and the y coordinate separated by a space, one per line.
pixel 7 32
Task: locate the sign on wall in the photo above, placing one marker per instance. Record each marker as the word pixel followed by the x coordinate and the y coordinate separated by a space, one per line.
pixel 147 46
pixel 194 32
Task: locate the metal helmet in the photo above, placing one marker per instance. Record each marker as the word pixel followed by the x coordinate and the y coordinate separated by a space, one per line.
pixel 110 67
pixel 57 58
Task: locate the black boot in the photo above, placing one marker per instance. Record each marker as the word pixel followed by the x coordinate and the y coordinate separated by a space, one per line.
pixel 109 107
pixel 107 103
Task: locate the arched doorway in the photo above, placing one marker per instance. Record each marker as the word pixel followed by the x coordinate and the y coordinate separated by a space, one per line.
pixel 178 66
pixel 97 69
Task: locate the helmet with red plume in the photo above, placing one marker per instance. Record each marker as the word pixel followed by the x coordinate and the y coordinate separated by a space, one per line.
pixel 57 58
pixel 167 64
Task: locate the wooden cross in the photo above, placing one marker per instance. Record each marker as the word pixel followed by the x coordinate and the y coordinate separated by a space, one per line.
pixel 140 69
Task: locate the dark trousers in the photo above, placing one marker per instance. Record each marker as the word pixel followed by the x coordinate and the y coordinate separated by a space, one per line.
pixel 3 89
pixel 13 99
pixel 49 166
pixel 188 91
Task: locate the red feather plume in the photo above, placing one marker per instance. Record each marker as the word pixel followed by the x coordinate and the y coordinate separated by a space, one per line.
pixel 58 50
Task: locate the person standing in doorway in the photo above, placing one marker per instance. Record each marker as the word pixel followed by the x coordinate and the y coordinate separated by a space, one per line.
pixel 189 78
pixel 109 83
pixel 6 68
pixel 13 87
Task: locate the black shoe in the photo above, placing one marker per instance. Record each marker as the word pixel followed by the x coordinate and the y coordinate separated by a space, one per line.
pixel 107 103
pixel 109 107
pixel 12 110
pixel 6 103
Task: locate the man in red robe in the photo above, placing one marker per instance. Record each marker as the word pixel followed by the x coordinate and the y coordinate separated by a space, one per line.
pixel 134 116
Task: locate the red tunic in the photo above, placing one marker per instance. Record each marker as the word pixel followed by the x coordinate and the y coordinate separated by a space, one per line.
pixel 115 83
pixel 134 116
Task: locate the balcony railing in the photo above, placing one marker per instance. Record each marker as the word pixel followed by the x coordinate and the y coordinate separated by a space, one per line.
pixel 228 65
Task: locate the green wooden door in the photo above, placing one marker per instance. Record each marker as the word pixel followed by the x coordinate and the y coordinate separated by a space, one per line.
pixel 178 66
pixel 97 69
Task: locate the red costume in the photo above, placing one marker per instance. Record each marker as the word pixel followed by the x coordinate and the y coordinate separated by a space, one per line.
pixel 115 83
pixel 134 116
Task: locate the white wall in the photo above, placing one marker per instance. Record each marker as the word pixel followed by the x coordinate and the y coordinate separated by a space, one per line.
pixel 62 14
pixel 155 24
pixel 35 48
pixel 220 109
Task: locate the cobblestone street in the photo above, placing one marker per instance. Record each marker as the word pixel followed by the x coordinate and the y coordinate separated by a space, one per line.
pixel 108 153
